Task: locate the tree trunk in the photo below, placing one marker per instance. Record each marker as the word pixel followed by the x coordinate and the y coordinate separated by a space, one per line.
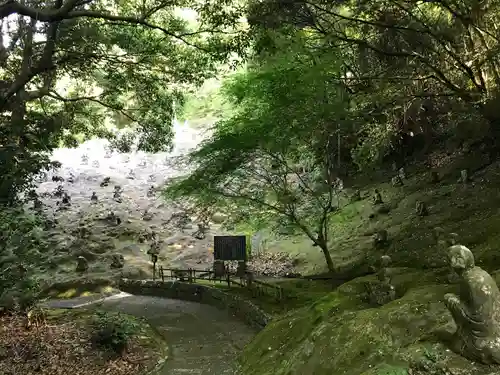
pixel 328 257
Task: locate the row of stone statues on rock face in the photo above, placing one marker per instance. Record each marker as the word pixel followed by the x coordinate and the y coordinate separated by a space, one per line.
pixel 475 309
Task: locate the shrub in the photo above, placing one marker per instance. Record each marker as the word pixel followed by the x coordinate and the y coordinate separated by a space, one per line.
pixel 112 331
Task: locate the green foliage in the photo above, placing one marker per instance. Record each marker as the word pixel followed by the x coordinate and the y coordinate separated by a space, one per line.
pixel 72 73
pixel 112 331
pixel 285 112
pixel 22 246
pixel 205 106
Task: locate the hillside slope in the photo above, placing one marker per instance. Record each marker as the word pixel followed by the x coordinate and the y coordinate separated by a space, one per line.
pixel 342 333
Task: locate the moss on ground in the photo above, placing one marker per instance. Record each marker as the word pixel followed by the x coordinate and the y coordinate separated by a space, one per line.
pixel 338 332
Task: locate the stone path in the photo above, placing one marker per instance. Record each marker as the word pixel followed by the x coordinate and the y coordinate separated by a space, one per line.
pixel 202 339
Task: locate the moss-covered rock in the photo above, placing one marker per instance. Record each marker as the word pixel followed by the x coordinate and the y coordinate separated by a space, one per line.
pixel 341 334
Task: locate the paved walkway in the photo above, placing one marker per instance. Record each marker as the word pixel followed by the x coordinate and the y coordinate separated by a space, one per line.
pixel 202 339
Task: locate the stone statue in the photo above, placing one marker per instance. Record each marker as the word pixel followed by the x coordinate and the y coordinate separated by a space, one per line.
pixel 66 199
pixel 383 274
pixel 396 181
pixel 117 261
pixel 151 192
pixel 105 182
pixel 59 191
pixel 443 238
pixel 117 194
pixel 402 173
pixel 93 198
pixel 464 177
pixel 82 264
pixel 421 209
pixel 476 310
pixel 380 239
pixel 112 218
pixel 147 216
pixel 85 159
pixel 200 234
pixel 382 292
pixel 377 197
pixel 131 175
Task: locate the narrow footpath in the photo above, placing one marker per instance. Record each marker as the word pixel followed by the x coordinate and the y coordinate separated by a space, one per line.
pixel 202 339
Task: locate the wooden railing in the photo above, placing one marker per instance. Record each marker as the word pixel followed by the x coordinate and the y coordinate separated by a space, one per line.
pixel 256 288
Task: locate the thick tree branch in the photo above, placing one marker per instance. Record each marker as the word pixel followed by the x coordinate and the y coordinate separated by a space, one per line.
pixel 94 99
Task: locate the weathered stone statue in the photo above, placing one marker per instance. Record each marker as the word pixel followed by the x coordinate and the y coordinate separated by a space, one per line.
pixel 402 173
pixel 377 197
pixel 117 194
pixel 59 192
pixel 66 199
pixel 94 198
pixel 85 159
pixel 117 261
pixel 476 311
pixel 131 175
pixel 147 216
pixel 82 264
pixel 464 177
pixel 383 274
pixel 396 181
pixel 105 182
pixel 151 192
pixel 112 218
pixel 380 239
pixel 445 239
pixel 421 209
pixel 382 292
pixel 200 234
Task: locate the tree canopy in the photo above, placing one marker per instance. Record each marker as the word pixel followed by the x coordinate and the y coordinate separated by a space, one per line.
pixel 70 69
pixel 337 86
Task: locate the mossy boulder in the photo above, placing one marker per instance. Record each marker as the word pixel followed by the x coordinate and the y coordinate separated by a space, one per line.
pixel 341 334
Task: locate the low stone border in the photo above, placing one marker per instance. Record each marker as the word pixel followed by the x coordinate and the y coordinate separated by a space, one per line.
pixel 241 308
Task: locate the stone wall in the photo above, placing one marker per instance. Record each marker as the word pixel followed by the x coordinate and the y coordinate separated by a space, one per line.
pixel 239 307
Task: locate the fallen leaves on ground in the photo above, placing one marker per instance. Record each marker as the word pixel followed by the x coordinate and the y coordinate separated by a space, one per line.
pixel 62 347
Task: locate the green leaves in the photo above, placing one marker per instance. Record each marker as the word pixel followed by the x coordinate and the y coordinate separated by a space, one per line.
pixel 283 111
